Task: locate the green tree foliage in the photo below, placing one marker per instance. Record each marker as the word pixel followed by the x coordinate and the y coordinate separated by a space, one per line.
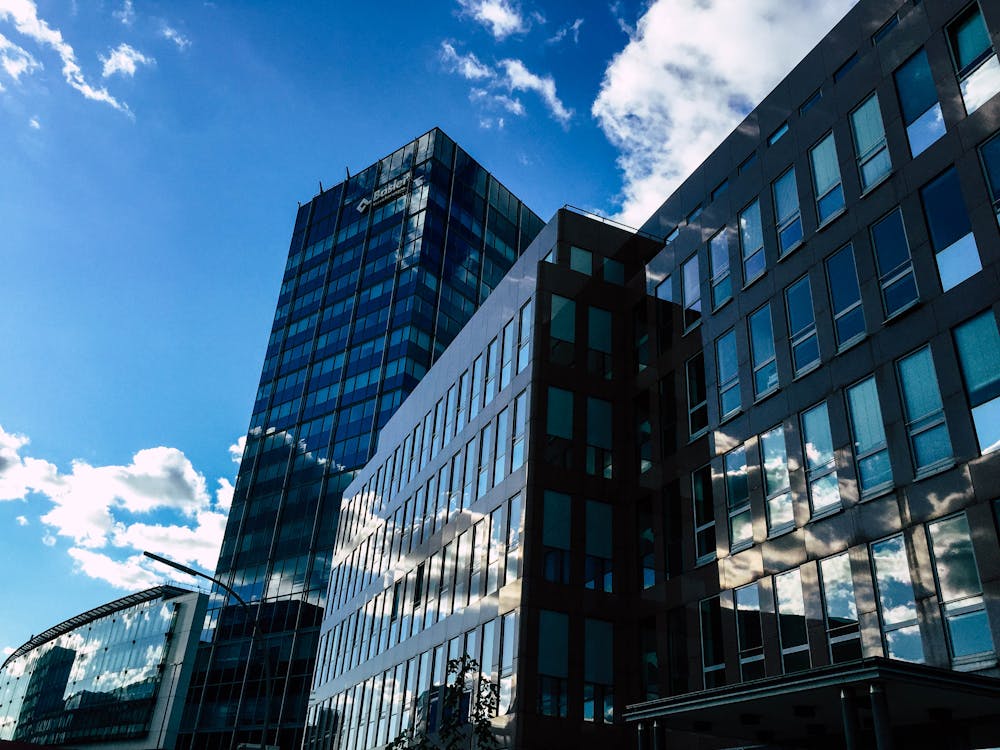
pixel 459 728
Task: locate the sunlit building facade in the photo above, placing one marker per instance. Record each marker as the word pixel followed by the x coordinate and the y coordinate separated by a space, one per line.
pixel 383 271
pixel 113 677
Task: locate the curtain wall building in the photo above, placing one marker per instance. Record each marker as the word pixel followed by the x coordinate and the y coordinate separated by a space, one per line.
pixel 732 480
pixel 383 271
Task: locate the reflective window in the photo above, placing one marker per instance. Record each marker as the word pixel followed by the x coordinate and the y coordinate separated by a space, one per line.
pixel 841 608
pixel 507 354
pixel 786 208
pixel 500 446
pixel 978 346
pixel 774 456
pixel 614 271
pixel 918 100
pixel 599 437
pixel 990 154
pixel 697 395
pixel 713 653
pixel 821 468
pixel 792 621
pixel 704 514
pixel 525 322
pixel 752 242
pixel 598 671
pixel 738 499
pixel 556 537
pixel 553 663
pixel 581 260
pixel 646 543
pixel 518 438
pixel 869 142
pixel 951 232
pixel 749 632
pixel 691 291
pixel 728 372
pixel 562 330
pixel 765 367
pixel 826 179
pixel 597 569
pixel 718 256
pixel 897 604
pixel 802 326
pixel 895 270
pixel 975 63
pixel 960 591
pixel 559 426
pixel 492 360
pixel 870 451
pixel 930 443
pixel 599 342
pixel 508 638
pixel 845 296
pixel 664 290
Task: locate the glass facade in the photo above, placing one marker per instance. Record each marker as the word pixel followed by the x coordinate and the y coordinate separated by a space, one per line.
pixel 383 271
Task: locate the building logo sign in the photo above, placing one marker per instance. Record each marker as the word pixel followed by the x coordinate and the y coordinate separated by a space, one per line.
pixel 384 194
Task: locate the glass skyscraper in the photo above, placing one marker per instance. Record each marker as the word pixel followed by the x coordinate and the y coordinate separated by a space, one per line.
pixel 383 271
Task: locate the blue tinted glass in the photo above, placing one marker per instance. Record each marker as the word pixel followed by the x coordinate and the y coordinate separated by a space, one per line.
pixel 843 279
pixel 800 309
pixel 889 239
pixel 945 210
pixel 915 86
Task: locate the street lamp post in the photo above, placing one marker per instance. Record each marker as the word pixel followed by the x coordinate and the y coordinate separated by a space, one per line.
pixel 253 635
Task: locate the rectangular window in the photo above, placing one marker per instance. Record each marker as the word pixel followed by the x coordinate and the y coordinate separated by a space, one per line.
pixel 508 640
pixel 989 152
pixel 895 269
pixel 556 525
pixel 614 271
pixel 518 439
pixel 930 443
pixel 559 427
pixel 821 467
pixel 491 372
pixel 750 634
pixel 786 208
pixel 738 498
pixel 718 257
pixel 871 454
pixel 774 456
pixel 802 326
pixel 897 604
pixel 599 546
pixel 562 330
pixel 468 495
pixel 463 401
pixel 500 447
pixel 553 663
pixel 598 671
pixel 918 101
pixel 885 29
pixel 495 551
pixel 841 609
pixel 792 622
pixel 814 98
pixel 950 229
pixel 765 367
pixel 484 481
pixel 581 260
pixel 826 179
pixel 697 395
pixel 978 346
pixel 845 297
pixel 728 372
pixel 664 290
pixel 513 538
pixel 870 147
pixel 599 360
pixel 599 437
pixel 691 292
pixel 752 242
pixel 960 591
pixel 704 514
pixel 507 355
pixel 476 396
pixel 777 134
pixel 713 653
pixel 976 65
pixel 849 63
pixel 525 323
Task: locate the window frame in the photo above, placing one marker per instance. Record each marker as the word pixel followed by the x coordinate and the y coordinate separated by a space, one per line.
pixel 822 219
pixel 721 278
pixel 784 223
pixel 858 304
pixel 879 147
pixel 924 423
pixel 763 365
pixel 732 381
pixel 802 336
pixel 882 447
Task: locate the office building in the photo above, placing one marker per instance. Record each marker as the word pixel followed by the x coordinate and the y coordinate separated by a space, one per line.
pixel 112 678
pixel 741 487
pixel 383 271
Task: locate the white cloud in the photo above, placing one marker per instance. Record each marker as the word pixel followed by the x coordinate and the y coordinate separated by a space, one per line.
pixel 570 28
pixel 616 12
pixel 21 520
pixel 182 42
pixel 7 650
pixel 24 15
pixel 236 449
pixel 690 72
pixel 35 124
pixel 126 14
pixel 468 66
pixel 501 17
pixel 96 509
pixel 15 60
pixel 496 101
pixel 519 78
pixel 123 60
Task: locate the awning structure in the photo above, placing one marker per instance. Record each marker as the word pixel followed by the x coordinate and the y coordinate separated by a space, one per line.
pixel 875 703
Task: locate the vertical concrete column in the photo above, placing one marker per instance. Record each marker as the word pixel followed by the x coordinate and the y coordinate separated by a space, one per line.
pixel 849 711
pixel 880 717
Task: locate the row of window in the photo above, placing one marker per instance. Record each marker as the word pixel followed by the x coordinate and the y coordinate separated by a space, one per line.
pixel 784 604
pixel 491 372
pixel 439 500
pixel 584 261
pixel 477 563
pixel 978 72
pixel 977 343
pixel 411 694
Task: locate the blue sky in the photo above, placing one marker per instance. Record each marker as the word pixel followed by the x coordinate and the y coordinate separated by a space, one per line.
pixel 152 154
